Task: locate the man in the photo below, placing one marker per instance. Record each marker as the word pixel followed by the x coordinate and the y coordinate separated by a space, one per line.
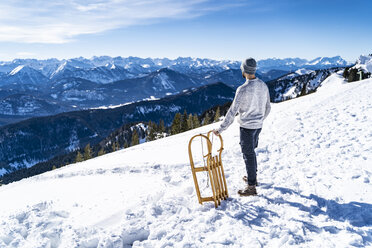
pixel 252 102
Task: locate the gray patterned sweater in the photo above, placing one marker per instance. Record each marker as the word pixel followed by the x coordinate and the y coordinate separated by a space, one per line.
pixel 252 102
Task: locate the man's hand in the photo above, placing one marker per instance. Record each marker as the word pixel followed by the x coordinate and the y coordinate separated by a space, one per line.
pixel 216 132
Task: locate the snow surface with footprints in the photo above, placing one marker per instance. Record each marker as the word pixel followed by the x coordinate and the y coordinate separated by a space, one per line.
pixel 315 187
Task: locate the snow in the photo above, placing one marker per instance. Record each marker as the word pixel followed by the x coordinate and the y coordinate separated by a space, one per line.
pixel 74 142
pixel 157 108
pixel 303 71
pixel 2 172
pixel 113 106
pixel 291 93
pixel 314 169
pixel 81 95
pixel 24 164
pixel 141 109
pixel 16 70
pixel 151 98
pixel 164 82
pixel 315 61
pixel 289 76
pixel 59 69
pixel 365 63
pixel 313 84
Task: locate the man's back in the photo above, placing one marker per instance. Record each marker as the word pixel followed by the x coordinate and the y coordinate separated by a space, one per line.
pixel 254 103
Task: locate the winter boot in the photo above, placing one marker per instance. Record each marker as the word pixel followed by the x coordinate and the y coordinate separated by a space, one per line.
pixel 245 179
pixel 249 190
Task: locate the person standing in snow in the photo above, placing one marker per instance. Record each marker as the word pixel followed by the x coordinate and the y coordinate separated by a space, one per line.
pixel 252 102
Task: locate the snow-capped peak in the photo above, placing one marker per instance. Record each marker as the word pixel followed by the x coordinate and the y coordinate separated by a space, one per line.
pixel 315 61
pixel 365 63
pixel 328 61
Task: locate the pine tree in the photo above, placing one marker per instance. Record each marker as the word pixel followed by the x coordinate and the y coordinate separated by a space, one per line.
pixel 135 138
pixel 148 131
pixel 161 128
pixel 217 115
pixel 303 90
pixel 352 75
pixel 195 121
pixel 54 167
pixel 126 145
pixel 346 72
pixel 189 122
pixel 87 152
pixel 117 145
pixel 79 157
pixel 113 146
pixel 176 124
pixel 207 119
pixel 156 128
pixel 151 131
pixel 101 152
pixel 184 126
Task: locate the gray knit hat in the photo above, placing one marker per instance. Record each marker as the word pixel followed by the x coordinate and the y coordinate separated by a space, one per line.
pixel 249 66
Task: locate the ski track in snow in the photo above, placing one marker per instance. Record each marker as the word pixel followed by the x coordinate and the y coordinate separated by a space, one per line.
pixel 314 158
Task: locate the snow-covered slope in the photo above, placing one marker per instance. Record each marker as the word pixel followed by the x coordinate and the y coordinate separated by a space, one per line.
pixel 24 75
pixel 315 190
pixel 297 84
pixel 365 63
pixel 102 74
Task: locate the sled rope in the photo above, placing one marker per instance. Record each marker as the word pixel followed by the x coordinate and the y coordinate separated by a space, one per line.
pixel 201 141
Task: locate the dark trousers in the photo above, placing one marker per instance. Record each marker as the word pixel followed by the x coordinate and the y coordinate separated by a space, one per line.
pixel 248 142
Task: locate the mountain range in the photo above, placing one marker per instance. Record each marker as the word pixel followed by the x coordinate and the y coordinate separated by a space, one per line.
pixel 28 142
pixel 53 86
pixel 134 66
pixel 292 64
pixel 80 101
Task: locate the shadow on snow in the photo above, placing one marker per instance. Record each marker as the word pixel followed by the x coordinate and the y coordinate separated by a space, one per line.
pixel 358 214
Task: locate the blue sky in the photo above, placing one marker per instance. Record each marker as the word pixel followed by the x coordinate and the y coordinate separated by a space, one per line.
pixel 219 29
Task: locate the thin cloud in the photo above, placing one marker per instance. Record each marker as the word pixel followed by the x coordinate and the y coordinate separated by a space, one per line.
pixel 60 21
pixel 25 54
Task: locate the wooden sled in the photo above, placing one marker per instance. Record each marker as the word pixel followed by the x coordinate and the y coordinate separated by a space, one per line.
pixel 215 172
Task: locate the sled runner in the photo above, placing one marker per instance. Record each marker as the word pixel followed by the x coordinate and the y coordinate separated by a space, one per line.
pixel 213 167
